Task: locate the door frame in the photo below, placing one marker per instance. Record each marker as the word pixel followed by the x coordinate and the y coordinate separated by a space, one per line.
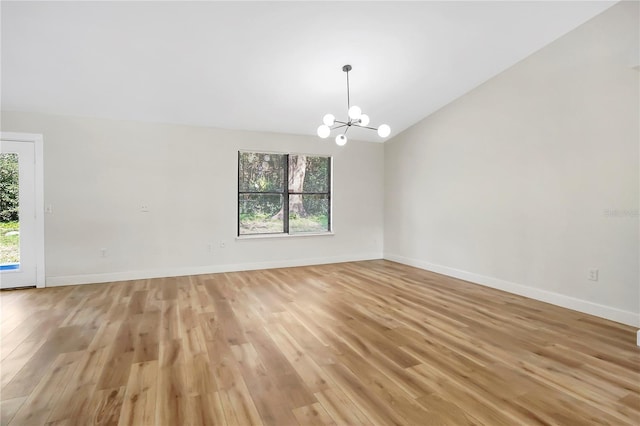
pixel 38 149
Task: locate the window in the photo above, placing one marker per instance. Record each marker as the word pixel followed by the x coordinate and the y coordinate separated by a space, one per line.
pixel 266 205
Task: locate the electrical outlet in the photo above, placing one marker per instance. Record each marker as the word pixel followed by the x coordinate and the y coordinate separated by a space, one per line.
pixel 144 208
pixel 593 274
pixel 103 252
pixel 48 209
pixel 222 244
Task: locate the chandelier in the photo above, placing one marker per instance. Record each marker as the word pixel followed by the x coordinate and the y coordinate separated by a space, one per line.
pixel 355 119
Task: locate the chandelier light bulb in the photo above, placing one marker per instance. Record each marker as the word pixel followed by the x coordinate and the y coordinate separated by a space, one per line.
pixel 364 120
pixel 384 131
pixel 341 140
pixel 355 112
pixel 329 119
pixel 324 131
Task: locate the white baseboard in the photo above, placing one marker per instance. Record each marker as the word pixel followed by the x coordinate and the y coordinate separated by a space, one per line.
pixel 198 270
pixel 607 312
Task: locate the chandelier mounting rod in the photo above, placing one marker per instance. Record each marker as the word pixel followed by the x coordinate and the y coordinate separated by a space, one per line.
pixel 346 69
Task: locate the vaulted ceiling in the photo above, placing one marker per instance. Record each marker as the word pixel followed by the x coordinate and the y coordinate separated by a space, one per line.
pixel 269 66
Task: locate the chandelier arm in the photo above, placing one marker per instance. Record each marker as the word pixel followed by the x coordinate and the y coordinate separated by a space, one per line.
pixel 338 127
pixel 341 122
pixel 345 132
pixel 365 127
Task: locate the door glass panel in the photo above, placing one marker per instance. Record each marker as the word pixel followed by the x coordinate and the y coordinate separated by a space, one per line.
pixel 9 208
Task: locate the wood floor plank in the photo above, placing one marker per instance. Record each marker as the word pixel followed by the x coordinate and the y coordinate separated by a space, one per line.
pixel 139 403
pixel 311 373
pixel 116 371
pixel 377 410
pixel 76 396
pixel 444 411
pixel 106 406
pixel 357 343
pixel 632 401
pixel 473 407
pixel 9 408
pixel 35 328
pixel 341 409
pixel 12 364
pixel 171 395
pixel 212 409
pixel 272 404
pixel 60 341
pixel 314 414
pixel 146 344
pixel 239 409
pixel 42 400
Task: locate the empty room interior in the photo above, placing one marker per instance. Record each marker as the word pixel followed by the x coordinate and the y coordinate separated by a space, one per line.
pixel 320 213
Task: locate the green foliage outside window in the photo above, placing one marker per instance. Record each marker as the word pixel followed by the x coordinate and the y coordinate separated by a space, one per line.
pixel 9 209
pixel 8 187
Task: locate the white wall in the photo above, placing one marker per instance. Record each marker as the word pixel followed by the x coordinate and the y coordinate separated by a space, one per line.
pixel 98 173
pixel 510 185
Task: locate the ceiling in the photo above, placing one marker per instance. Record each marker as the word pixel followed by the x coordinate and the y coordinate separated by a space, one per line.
pixel 269 66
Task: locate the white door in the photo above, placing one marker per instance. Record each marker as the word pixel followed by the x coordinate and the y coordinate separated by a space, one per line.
pixel 18 232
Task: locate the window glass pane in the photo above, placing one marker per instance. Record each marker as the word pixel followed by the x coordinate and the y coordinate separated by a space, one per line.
pixel 264 200
pixel 308 173
pixel 261 214
pixel 308 213
pixel 260 172
pixel 9 209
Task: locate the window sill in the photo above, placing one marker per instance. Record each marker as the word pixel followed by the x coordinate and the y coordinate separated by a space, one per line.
pixel 269 236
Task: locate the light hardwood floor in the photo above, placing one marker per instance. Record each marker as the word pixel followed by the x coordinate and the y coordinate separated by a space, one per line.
pixel 354 343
